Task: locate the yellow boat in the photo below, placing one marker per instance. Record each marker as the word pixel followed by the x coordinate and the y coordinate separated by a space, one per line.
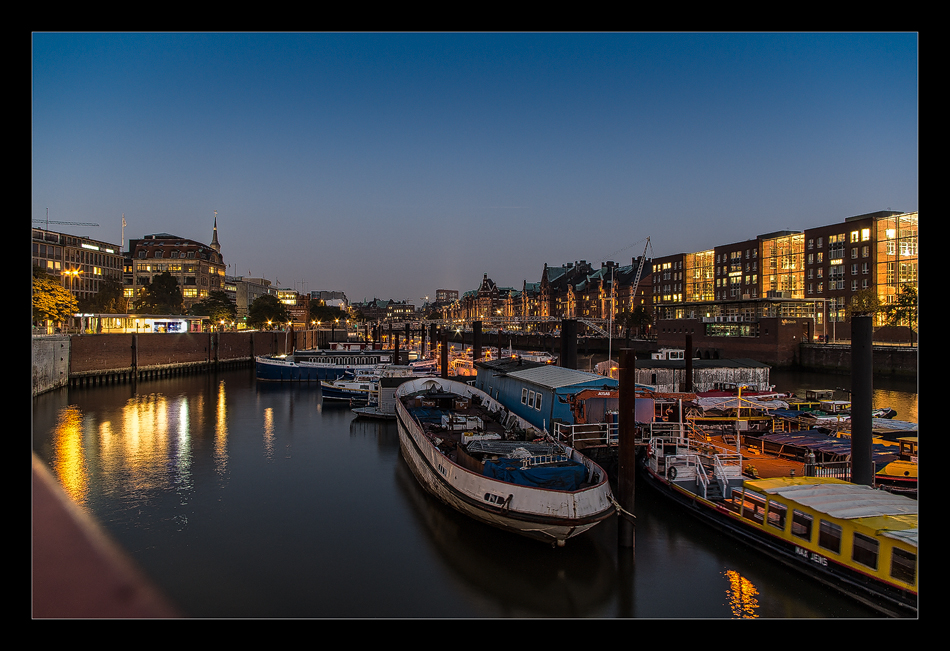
pixel 857 539
pixel 901 474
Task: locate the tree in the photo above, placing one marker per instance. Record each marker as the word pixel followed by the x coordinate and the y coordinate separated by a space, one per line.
pixel 109 300
pixel 217 307
pixel 161 296
pixel 324 313
pixel 266 310
pixel 904 310
pixel 636 319
pixel 863 303
pixel 51 301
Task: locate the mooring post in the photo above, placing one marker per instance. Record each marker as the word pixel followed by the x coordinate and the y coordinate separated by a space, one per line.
pixel 568 343
pixel 445 354
pixel 626 449
pixel 476 340
pixel 862 387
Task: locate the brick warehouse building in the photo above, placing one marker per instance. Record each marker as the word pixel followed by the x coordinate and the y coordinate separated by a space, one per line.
pixel 770 294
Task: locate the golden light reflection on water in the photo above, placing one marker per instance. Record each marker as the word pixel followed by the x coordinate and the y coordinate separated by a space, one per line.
pixel 221 430
pixel 269 432
pixel 741 596
pixel 70 460
pixel 144 445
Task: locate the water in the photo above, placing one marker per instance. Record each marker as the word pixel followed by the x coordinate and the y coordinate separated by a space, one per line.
pixel 241 499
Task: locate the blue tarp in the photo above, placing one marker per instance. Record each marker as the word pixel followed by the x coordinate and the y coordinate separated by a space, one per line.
pixel 565 478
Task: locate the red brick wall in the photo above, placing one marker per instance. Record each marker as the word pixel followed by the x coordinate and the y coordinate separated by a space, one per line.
pixel 234 345
pixel 161 349
pixel 100 352
pixel 113 352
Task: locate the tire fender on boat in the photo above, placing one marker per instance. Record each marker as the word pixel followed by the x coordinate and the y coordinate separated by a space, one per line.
pixel 671 473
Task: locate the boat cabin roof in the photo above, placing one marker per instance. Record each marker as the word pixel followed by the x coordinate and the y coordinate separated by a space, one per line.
pixel 836 498
pixel 547 375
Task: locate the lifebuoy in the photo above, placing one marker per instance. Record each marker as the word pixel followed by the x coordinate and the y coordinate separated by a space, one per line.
pixel 671 473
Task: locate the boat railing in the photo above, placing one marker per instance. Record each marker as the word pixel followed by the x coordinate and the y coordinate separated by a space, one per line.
pixel 726 467
pixel 835 469
pixel 581 436
pixel 540 460
pixel 687 466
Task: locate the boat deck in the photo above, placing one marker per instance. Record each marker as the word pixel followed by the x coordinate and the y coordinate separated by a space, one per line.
pixel 474 434
pixel 765 465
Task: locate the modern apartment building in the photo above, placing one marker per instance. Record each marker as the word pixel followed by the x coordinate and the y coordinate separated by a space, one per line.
pixel 81 263
pixel 771 293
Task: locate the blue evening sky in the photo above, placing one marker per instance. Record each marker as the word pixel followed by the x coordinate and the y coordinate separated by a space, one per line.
pixel 391 165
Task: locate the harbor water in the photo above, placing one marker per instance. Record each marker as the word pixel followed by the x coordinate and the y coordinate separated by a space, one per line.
pixel 243 499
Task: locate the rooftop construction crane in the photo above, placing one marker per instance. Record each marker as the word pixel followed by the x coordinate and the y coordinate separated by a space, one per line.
pixel 47 222
pixel 643 260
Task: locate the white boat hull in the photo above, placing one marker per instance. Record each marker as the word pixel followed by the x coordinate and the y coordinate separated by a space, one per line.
pixel 549 515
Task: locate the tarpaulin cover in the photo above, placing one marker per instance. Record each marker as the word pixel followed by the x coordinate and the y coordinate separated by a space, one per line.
pixel 819 441
pixel 565 478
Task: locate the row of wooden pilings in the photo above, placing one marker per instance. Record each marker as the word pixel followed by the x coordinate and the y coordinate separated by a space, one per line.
pixel 124 375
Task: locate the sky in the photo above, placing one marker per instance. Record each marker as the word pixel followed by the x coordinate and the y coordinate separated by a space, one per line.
pixel 389 165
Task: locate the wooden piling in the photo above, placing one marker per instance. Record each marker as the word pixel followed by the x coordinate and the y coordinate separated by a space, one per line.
pixel 626 449
pixel 445 354
pixel 476 340
pixel 862 465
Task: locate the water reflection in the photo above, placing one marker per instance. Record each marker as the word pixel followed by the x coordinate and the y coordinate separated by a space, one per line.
pixel 221 431
pixel 269 432
pixel 70 461
pixel 144 446
pixel 241 499
pixel 741 596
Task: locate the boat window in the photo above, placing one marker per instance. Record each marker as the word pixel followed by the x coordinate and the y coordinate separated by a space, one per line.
pixel 864 550
pixel 537 402
pixel 531 399
pixel 777 514
pixel 903 565
pixel 753 508
pixel 524 396
pixel 801 524
pixel 829 536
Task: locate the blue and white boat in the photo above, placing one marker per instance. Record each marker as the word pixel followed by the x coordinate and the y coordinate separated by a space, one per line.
pixel 363 388
pixel 470 452
pixel 321 364
pixel 356 390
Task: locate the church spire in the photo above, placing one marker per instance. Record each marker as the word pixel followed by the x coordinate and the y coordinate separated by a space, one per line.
pixel 214 235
